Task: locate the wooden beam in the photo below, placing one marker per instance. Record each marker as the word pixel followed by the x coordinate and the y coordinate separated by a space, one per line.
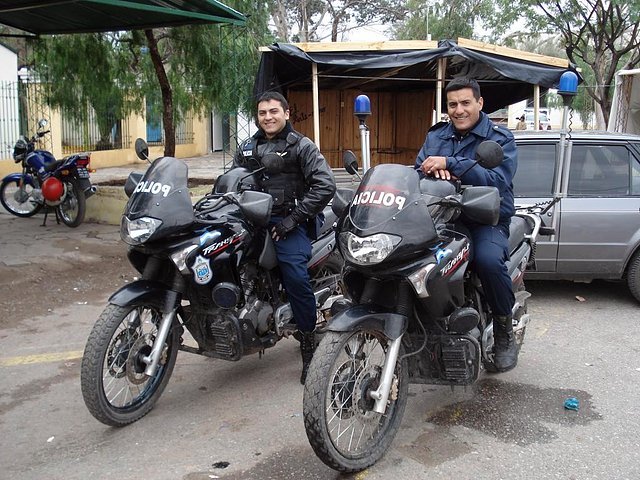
pixel 363 46
pixel 513 53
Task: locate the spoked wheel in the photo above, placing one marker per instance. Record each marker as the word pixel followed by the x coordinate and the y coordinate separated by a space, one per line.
pixel 342 427
pixel 114 386
pixel 74 204
pixel 18 200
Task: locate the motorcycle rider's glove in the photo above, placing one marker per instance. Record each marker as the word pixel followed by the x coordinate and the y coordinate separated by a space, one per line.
pixel 286 225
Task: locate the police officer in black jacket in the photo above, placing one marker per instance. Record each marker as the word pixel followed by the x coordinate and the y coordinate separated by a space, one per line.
pixel 300 192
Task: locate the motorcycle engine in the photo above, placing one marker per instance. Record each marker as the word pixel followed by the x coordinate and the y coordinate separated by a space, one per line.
pixel 259 313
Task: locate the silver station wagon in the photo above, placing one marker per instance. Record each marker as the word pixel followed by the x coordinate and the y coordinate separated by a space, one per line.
pixel 597 219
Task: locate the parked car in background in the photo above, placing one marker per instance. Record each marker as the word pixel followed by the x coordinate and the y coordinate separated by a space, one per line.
pixel 597 218
pixel 544 122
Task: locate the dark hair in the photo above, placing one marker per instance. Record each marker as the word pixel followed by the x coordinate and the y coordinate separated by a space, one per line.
pixel 463 82
pixel 266 96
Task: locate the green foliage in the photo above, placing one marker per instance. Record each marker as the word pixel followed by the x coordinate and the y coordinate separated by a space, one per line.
pixel 208 66
pixel 452 19
pixel 85 70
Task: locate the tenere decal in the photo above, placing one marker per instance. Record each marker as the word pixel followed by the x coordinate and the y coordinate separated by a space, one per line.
pixel 374 197
pixel 455 261
pixel 221 245
pixel 152 187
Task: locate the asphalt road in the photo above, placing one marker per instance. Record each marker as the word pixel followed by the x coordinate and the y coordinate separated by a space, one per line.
pixel 244 420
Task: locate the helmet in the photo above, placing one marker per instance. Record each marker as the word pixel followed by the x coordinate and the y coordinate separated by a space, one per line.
pixel 52 189
pixel 20 149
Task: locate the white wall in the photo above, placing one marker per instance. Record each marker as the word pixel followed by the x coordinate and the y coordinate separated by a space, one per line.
pixel 9 115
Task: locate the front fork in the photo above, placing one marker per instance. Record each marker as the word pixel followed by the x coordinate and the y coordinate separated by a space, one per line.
pixel 171 304
pixel 381 394
pixel 153 359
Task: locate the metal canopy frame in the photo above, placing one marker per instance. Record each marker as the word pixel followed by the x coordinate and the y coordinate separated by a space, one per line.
pixel 41 17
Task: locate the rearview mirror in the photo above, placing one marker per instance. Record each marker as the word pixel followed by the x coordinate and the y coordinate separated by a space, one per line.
pixel 132 182
pixel 489 154
pixel 142 149
pixel 42 123
pixel 350 162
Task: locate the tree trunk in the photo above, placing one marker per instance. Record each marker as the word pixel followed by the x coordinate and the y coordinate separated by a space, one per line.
pixel 167 95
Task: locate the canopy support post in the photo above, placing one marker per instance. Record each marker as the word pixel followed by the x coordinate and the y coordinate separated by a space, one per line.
pixel 536 107
pixel 442 68
pixel 316 104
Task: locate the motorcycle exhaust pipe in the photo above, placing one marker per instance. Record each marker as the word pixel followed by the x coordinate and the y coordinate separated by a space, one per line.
pixel 90 191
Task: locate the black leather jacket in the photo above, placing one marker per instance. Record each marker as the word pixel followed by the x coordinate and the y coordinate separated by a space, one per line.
pixel 307 182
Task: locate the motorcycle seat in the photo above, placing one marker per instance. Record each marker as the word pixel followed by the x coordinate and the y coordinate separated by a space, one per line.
pixel 50 167
pixel 518 228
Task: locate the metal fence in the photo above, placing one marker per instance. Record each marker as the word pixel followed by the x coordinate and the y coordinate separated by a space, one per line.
pixel 92 135
pixel 20 110
pixel 184 130
pixel 22 105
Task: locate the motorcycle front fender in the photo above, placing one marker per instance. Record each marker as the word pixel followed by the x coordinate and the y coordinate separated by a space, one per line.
pixel 361 317
pixel 146 293
pixel 16 177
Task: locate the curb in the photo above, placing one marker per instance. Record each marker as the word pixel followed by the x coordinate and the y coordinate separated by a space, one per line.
pixel 108 203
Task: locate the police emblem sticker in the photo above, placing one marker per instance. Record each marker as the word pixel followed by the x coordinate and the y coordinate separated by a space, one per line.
pixel 202 270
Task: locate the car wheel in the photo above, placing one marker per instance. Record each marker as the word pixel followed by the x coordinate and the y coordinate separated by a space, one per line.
pixel 633 276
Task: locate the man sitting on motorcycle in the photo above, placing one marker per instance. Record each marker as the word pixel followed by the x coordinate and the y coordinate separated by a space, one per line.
pixel 300 192
pixel 449 149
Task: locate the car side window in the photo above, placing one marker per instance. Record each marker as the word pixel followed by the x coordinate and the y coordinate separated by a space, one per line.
pixel 635 175
pixel 536 170
pixel 599 170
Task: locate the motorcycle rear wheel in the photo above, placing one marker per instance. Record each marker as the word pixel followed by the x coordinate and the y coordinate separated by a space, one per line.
pixel 342 428
pixel 11 196
pixel 114 386
pixel 74 205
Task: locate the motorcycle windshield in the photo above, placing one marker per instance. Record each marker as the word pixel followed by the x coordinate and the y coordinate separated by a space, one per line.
pixel 389 200
pixel 162 193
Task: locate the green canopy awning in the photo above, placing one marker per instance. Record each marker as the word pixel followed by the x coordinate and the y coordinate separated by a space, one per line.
pixel 82 16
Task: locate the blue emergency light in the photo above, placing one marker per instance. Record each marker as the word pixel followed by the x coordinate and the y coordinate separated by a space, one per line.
pixel 362 107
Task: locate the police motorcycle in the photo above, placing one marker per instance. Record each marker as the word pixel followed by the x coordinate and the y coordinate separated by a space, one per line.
pixel 413 310
pixel 210 268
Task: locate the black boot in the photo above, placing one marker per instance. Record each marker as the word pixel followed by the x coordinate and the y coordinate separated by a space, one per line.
pixel 307 347
pixel 504 343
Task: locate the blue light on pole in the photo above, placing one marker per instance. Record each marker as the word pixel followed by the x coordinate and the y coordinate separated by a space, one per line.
pixel 362 107
pixel 568 87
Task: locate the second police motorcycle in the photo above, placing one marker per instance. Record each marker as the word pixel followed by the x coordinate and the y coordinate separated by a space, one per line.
pixel 61 185
pixel 414 312
pixel 209 268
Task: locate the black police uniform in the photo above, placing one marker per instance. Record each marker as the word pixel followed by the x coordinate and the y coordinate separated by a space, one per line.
pixel 300 192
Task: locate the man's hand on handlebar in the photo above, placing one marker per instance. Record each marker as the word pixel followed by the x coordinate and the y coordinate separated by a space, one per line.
pixel 436 166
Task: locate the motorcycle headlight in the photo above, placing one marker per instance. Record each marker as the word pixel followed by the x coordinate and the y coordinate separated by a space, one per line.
pixel 368 250
pixel 138 231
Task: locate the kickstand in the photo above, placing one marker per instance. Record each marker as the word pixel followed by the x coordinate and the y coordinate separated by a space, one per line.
pixel 46 213
pixel 47 209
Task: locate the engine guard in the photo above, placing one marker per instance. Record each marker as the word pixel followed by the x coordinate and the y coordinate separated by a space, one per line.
pixel 359 317
pixel 146 292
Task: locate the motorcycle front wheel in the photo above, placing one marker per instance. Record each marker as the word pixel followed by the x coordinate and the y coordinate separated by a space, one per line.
pixel 115 388
pixel 342 427
pixel 18 200
pixel 74 204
